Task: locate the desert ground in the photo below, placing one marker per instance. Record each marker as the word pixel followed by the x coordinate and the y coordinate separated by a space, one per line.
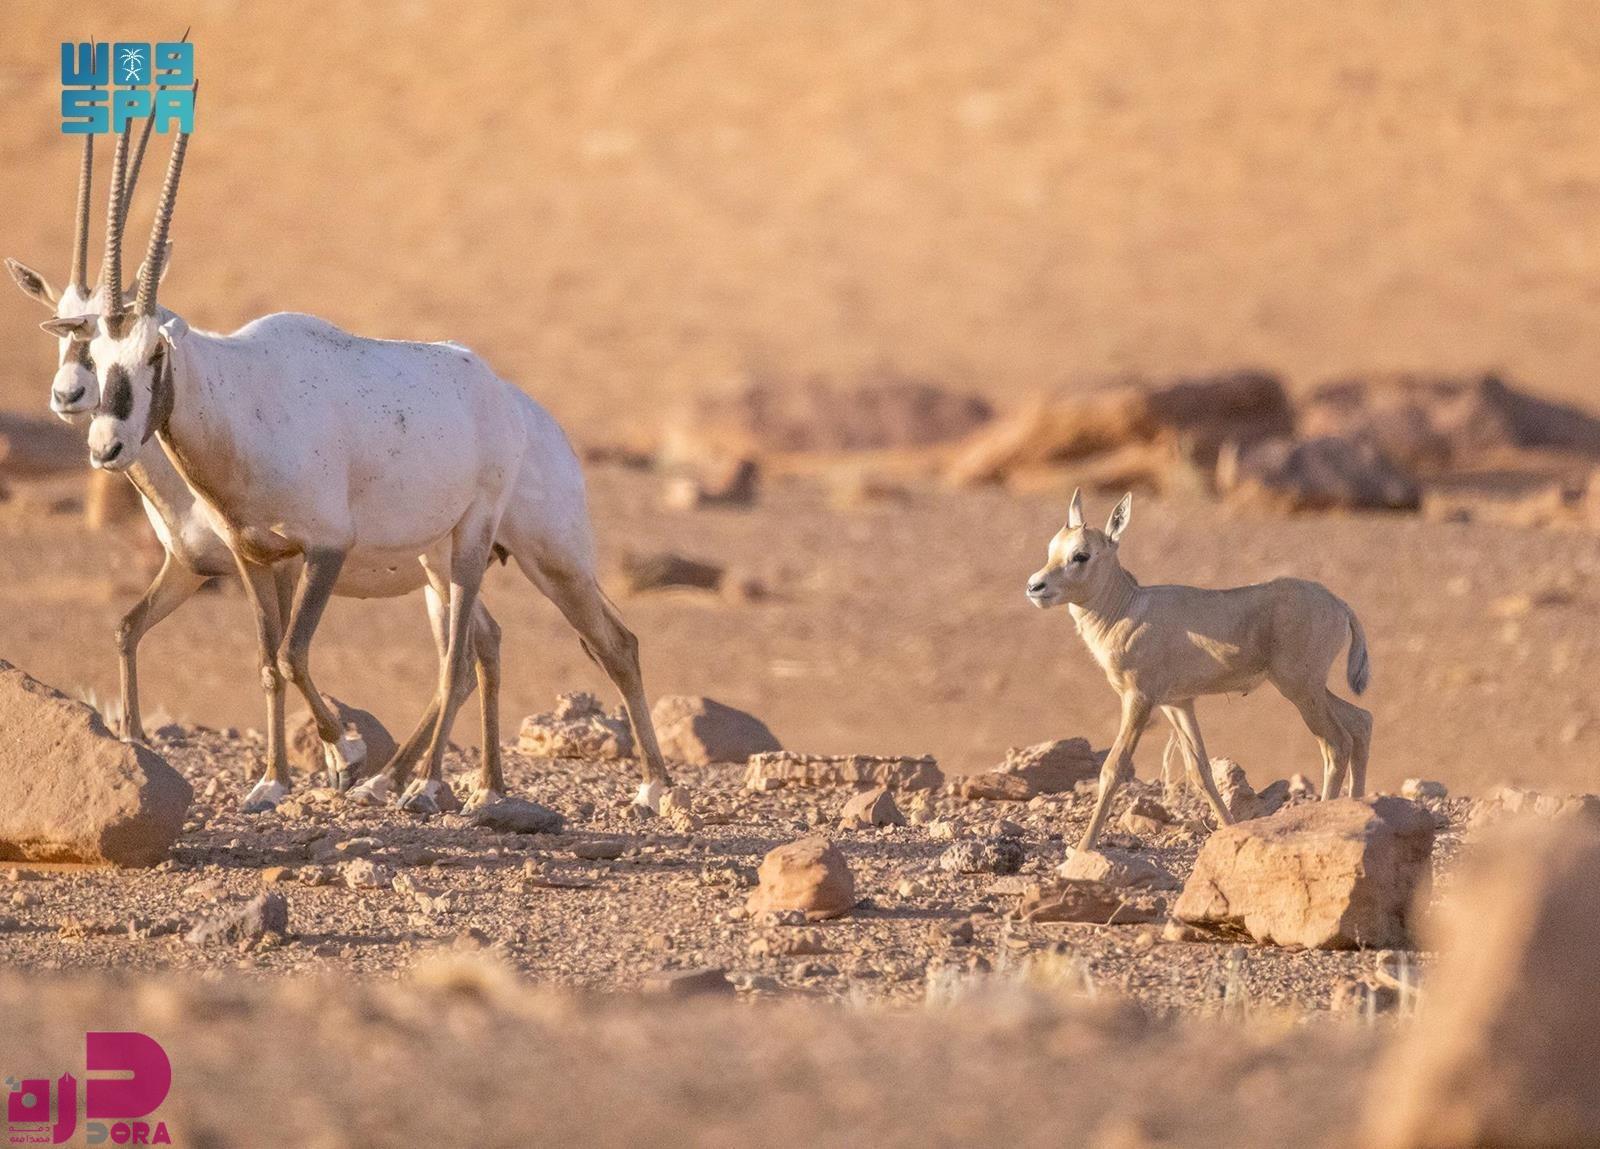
pixel 842 303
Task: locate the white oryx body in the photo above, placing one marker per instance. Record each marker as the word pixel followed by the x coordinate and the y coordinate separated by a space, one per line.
pixel 362 457
pixel 188 531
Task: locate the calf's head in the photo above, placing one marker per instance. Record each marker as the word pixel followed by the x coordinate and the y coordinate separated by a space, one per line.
pixel 1080 558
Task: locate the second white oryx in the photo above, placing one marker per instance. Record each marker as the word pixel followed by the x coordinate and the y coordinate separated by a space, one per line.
pixel 359 457
pixel 194 549
pixel 1165 646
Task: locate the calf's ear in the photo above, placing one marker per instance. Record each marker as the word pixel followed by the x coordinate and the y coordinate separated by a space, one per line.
pixel 1075 510
pixel 1118 522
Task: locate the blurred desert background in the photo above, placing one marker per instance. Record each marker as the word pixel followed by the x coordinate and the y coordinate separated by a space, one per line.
pixel 638 210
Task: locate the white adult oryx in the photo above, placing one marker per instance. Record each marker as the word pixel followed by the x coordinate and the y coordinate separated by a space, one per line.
pixel 194 550
pixel 368 460
pixel 1165 646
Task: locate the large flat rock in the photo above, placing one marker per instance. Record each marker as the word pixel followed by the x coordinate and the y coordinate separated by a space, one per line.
pixel 70 791
pixel 1327 875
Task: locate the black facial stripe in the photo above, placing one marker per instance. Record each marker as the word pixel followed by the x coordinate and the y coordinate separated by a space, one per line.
pixel 77 352
pixel 119 392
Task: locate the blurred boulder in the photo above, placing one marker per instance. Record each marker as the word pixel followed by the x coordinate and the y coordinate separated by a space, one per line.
pixel 1428 423
pixel 32 447
pixel 718 483
pixel 663 570
pixel 1202 413
pixel 1507 1052
pixel 1318 474
pixel 786 416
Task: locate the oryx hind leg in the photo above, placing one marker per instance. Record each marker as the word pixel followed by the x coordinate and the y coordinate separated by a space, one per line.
pixel 469 559
pixel 275 782
pixel 572 587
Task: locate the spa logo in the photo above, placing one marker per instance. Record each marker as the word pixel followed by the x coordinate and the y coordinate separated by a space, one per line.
pixel 103 86
pixel 116 1109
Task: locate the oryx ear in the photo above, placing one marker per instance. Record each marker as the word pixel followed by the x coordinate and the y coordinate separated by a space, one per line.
pixel 173 330
pixel 1075 510
pixel 166 266
pixel 79 328
pixel 1118 522
pixel 32 283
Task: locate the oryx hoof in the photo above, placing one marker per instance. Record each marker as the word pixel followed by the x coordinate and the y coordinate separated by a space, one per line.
pixel 427 796
pixel 344 759
pixel 650 795
pixel 264 795
pixel 481 797
pixel 375 791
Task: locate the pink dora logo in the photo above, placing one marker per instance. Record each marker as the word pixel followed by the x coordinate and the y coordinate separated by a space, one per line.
pixel 112 1105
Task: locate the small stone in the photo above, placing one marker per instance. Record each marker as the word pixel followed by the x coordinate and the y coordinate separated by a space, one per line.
pixel 1417 789
pixel 244 925
pixel 364 874
pixel 516 816
pixel 275 874
pixel 1146 818
pixel 600 849
pixel 942 830
pixel 1087 901
pixel 809 875
pixel 995 856
pixel 871 808
pixel 682 983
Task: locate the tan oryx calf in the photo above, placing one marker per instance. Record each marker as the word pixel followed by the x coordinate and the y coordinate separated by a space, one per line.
pixel 1164 646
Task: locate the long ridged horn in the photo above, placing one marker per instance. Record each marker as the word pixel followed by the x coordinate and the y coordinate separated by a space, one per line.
pixel 135 164
pixel 111 266
pixel 150 274
pixel 138 153
pixel 80 237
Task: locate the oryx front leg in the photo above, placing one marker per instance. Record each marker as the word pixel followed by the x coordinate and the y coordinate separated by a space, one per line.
pixel 1186 725
pixel 343 752
pixel 275 782
pixel 1118 766
pixel 173 586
